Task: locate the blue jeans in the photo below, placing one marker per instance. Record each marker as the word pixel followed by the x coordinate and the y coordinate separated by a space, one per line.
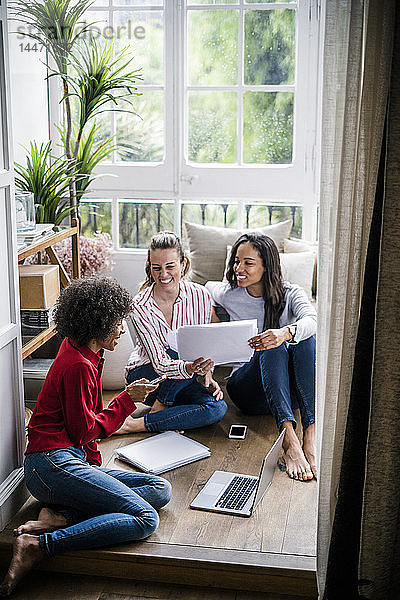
pixel 101 506
pixel 275 380
pixel 189 403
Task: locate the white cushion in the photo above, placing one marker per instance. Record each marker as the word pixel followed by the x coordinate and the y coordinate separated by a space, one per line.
pixel 298 267
pixel 294 245
pixel 113 377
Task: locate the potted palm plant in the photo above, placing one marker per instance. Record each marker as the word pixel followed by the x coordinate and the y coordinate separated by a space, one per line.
pixel 94 80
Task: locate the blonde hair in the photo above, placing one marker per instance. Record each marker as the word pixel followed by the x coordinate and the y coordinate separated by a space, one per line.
pixel 164 240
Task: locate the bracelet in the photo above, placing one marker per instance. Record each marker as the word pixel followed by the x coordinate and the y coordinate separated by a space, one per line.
pixel 292 330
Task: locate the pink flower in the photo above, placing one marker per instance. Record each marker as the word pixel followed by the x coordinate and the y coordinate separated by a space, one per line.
pixel 95 254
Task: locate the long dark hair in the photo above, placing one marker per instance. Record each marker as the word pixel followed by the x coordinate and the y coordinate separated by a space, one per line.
pixel 273 288
pixel 164 240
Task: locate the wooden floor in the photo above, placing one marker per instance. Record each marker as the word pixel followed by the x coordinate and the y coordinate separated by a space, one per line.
pixel 60 586
pixel 272 552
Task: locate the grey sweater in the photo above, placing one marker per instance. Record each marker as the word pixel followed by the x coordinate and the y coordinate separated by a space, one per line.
pixel 240 305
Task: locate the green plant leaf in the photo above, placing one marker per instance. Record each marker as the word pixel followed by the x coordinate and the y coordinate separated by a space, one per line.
pixel 101 78
pixel 90 154
pixel 56 23
pixel 48 178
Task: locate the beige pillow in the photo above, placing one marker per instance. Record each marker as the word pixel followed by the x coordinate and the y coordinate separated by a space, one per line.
pixel 291 245
pixel 208 244
pixel 228 255
pixel 297 267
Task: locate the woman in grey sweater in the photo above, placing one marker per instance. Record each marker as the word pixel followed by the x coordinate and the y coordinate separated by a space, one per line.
pixel 281 374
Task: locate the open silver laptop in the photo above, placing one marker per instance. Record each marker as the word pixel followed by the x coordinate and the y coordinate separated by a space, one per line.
pixel 238 494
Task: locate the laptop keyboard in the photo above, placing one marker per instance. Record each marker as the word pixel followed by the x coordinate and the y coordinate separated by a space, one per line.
pixel 237 493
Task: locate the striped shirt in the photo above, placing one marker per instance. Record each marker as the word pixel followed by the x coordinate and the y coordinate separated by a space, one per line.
pixel 155 336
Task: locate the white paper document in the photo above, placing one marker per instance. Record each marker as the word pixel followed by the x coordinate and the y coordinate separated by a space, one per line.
pixel 222 342
pixel 162 452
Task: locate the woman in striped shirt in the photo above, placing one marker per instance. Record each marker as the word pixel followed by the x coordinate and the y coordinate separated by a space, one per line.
pixel 166 301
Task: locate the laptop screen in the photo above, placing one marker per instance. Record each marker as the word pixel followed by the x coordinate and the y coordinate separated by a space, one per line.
pixel 268 469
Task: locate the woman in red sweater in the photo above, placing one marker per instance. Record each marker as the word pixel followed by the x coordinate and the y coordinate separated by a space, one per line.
pixel 85 505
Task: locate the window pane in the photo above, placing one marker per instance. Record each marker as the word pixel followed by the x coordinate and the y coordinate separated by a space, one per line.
pixel 137 2
pixel 192 2
pixel 268 127
pixel 140 136
pixel 212 47
pixel 97 31
pixel 270 1
pixel 222 214
pixel 100 24
pixel 103 123
pixel 95 217
pixel 140 219
pixel 269 47
pixel 143 32
pixel 212 127
pixel 104 132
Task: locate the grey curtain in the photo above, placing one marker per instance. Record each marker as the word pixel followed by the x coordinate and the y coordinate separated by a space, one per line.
pixel 364 555
pixel 358 47
pixel 380 525
pixel 342 579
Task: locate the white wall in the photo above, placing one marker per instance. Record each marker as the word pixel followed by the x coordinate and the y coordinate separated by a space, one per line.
pixel 29 105
pixel 128 269
pixel 12 431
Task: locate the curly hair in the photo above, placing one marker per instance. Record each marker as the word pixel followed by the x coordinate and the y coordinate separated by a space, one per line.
pixel 88 309
pixel 164 240
pixel 273 287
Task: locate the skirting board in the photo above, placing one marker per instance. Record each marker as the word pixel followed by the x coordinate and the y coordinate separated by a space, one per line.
pixel 13 494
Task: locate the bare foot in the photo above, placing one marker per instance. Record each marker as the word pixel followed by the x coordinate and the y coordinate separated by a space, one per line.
pixel 26 553
pixel 297 466
pixel 140 410
pixel 48 520
pixel 309 448
pixel 131 425
pixel 157 406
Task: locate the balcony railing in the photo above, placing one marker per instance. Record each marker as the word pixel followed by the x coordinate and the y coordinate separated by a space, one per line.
pixel 256 215
pixel 139 219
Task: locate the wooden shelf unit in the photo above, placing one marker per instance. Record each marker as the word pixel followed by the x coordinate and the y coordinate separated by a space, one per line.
pixel 46 244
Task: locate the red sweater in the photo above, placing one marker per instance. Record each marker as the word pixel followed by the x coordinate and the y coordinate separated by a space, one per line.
pixel 69 410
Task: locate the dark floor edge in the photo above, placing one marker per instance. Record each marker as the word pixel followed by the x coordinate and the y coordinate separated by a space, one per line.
pixel 205 567
pixel 172 553
pixel 235 558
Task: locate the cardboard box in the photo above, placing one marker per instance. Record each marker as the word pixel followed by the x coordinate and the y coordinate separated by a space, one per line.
pixel 39 285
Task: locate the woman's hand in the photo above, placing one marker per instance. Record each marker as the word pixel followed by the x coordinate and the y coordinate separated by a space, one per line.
pixel 140 389
pixel 213 386
pixel 200 366
pixel 271 338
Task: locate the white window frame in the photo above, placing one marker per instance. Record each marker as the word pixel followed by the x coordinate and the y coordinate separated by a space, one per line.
pixel 135 179
pixel 176 178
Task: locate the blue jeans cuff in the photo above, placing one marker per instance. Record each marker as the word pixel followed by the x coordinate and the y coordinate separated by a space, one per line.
pixel 284 420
